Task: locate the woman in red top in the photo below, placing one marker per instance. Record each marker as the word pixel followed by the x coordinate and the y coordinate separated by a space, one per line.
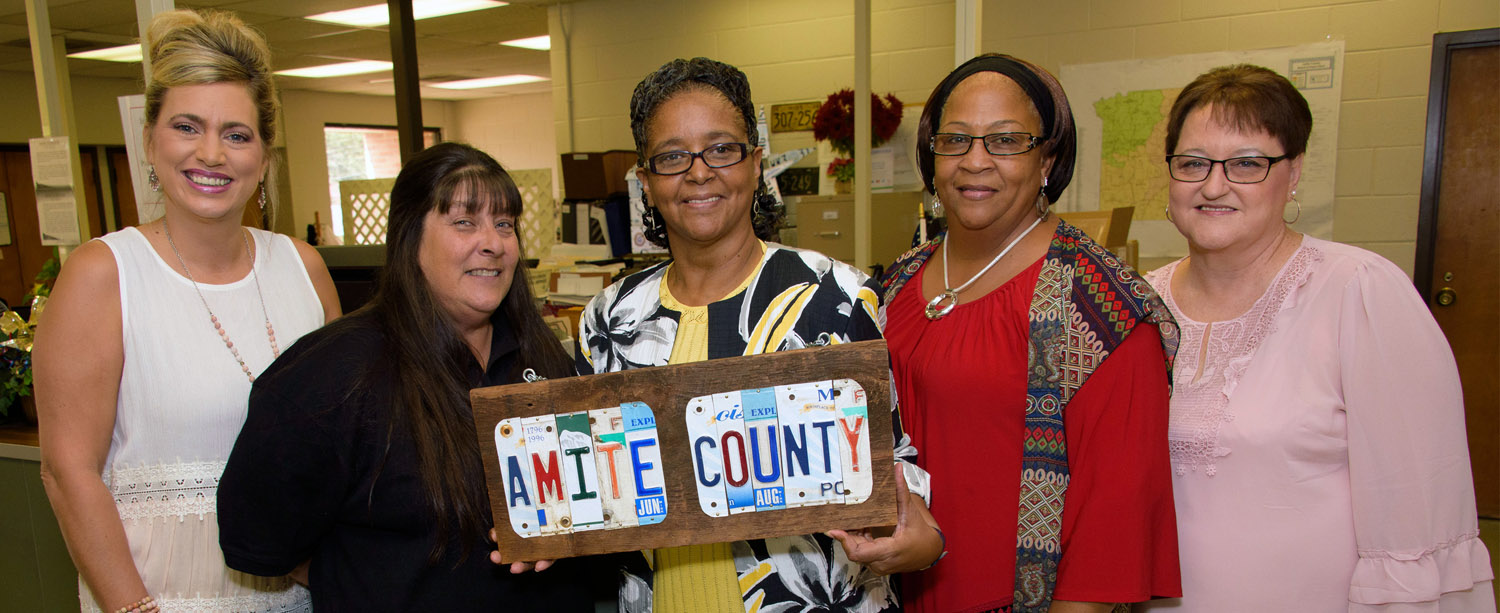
pixel 1031 365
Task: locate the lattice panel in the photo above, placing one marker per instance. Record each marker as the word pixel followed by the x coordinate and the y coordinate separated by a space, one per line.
pixel 539 215
pixel 367 208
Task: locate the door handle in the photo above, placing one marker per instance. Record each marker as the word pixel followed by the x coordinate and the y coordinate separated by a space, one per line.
pixel 830 234
pixel 1446 297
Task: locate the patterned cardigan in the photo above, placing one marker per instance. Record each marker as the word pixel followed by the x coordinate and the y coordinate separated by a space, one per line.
pixel 1085 304
pixel 797 299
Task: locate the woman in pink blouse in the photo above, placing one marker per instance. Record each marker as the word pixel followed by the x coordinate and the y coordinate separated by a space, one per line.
pixel 1317 426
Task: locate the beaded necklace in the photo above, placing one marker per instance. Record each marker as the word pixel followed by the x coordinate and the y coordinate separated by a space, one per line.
pixel 218 327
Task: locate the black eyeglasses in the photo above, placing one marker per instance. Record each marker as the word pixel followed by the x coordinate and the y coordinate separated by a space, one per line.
pixel 717 156
pixel 1000 143
pixel 1248 169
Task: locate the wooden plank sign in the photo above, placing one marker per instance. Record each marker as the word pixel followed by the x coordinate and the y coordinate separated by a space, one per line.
pixel 795 442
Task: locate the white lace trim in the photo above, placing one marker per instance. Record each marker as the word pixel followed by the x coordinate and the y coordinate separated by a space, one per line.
pixel 1200 402
pixel 166 490
pixel 292 600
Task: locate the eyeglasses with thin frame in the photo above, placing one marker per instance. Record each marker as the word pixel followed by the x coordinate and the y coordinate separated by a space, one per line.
pixel 716 156
pixel 999 143
pixel 1247 169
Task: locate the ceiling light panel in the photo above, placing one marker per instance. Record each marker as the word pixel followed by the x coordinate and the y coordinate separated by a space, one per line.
pixel 540 43
pixel 337 70
pixel 379 14
pixel 123 53
pixel 514 79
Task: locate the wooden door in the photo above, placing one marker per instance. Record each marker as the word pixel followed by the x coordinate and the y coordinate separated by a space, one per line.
pixel 1458 244
pixel 119 165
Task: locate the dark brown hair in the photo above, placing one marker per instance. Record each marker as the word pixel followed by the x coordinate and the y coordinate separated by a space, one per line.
pixel 430 390
pixel 1248 98
pixel 702 73
pixel 1060 138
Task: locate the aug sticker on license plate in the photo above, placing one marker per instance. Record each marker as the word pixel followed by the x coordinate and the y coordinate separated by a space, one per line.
pixel 763 436
pixel 644 457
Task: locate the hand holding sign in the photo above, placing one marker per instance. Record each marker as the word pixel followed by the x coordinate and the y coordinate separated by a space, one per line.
pixel 915 544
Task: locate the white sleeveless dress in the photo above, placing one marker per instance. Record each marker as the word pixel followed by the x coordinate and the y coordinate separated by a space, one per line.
pixel 182 402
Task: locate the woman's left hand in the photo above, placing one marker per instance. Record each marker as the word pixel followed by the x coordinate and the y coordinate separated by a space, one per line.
pixel 517 568
pixel 914 544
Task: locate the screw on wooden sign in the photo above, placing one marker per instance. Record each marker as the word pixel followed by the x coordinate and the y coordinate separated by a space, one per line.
pixel 669 461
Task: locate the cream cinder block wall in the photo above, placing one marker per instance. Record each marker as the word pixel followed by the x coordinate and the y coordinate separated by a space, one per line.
pixel 304 115
pixel 1388 51
pixel 94 108
pixel 516 130
pixel 792 51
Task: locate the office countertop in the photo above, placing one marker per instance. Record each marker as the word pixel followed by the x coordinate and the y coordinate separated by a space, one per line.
pixel 20 443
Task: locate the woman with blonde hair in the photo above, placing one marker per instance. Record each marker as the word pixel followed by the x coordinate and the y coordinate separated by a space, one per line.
pixel 147 350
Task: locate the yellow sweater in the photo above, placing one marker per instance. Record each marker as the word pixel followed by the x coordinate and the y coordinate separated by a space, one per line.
pixel 696 578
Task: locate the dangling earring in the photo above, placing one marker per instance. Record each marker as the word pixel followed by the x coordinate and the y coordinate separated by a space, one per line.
pixel 937 207
pixel 1299 210
pixel 262 200
pixel 651 222
pixel 1041 200
pixel 151 179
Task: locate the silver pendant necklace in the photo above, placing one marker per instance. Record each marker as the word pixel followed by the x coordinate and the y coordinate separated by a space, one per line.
pixel 214 319
pixel 943 303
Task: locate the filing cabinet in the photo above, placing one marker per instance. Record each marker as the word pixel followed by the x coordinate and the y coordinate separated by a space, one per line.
pixel 826 224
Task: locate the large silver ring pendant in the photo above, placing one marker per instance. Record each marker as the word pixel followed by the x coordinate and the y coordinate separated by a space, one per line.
pixel 942 305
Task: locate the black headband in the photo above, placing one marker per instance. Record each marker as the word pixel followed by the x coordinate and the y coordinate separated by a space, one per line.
pixel 1035 89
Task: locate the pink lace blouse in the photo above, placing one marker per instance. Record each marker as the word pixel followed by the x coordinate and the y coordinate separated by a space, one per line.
pixel 1319 451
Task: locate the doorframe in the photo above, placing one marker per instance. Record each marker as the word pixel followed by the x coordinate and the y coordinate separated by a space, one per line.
pixel 1443 44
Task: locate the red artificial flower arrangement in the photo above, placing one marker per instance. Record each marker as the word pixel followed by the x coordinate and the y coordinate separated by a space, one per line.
pixel 841 169
pixel 834 121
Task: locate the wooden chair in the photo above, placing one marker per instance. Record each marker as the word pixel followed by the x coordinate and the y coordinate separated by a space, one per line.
pixel 1110 228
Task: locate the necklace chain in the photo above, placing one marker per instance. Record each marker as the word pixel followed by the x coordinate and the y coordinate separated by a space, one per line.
pixel 214 319
pixel 943 303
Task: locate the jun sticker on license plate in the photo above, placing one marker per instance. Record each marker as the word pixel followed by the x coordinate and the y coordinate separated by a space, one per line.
pixel 644 456
pixel 515 468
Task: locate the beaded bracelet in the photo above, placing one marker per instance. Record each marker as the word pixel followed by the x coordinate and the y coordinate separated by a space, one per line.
pixel 942 555
pixel 144 605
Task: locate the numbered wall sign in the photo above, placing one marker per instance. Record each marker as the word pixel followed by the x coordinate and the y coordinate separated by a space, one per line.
pixel 752 447
pixel 796 117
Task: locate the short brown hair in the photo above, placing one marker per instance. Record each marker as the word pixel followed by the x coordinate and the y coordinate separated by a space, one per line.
pixel 1247 98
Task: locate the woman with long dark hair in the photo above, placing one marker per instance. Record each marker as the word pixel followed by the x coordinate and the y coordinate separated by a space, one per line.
pixel 359 454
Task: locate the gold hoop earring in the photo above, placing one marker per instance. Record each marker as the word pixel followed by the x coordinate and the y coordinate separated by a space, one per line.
pixel 1168 210
pixel 1299 210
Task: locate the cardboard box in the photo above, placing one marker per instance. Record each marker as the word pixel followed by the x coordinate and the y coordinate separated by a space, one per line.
pixel 595 175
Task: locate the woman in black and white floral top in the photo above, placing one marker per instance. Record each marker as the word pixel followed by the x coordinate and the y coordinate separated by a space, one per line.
pixel 726 292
